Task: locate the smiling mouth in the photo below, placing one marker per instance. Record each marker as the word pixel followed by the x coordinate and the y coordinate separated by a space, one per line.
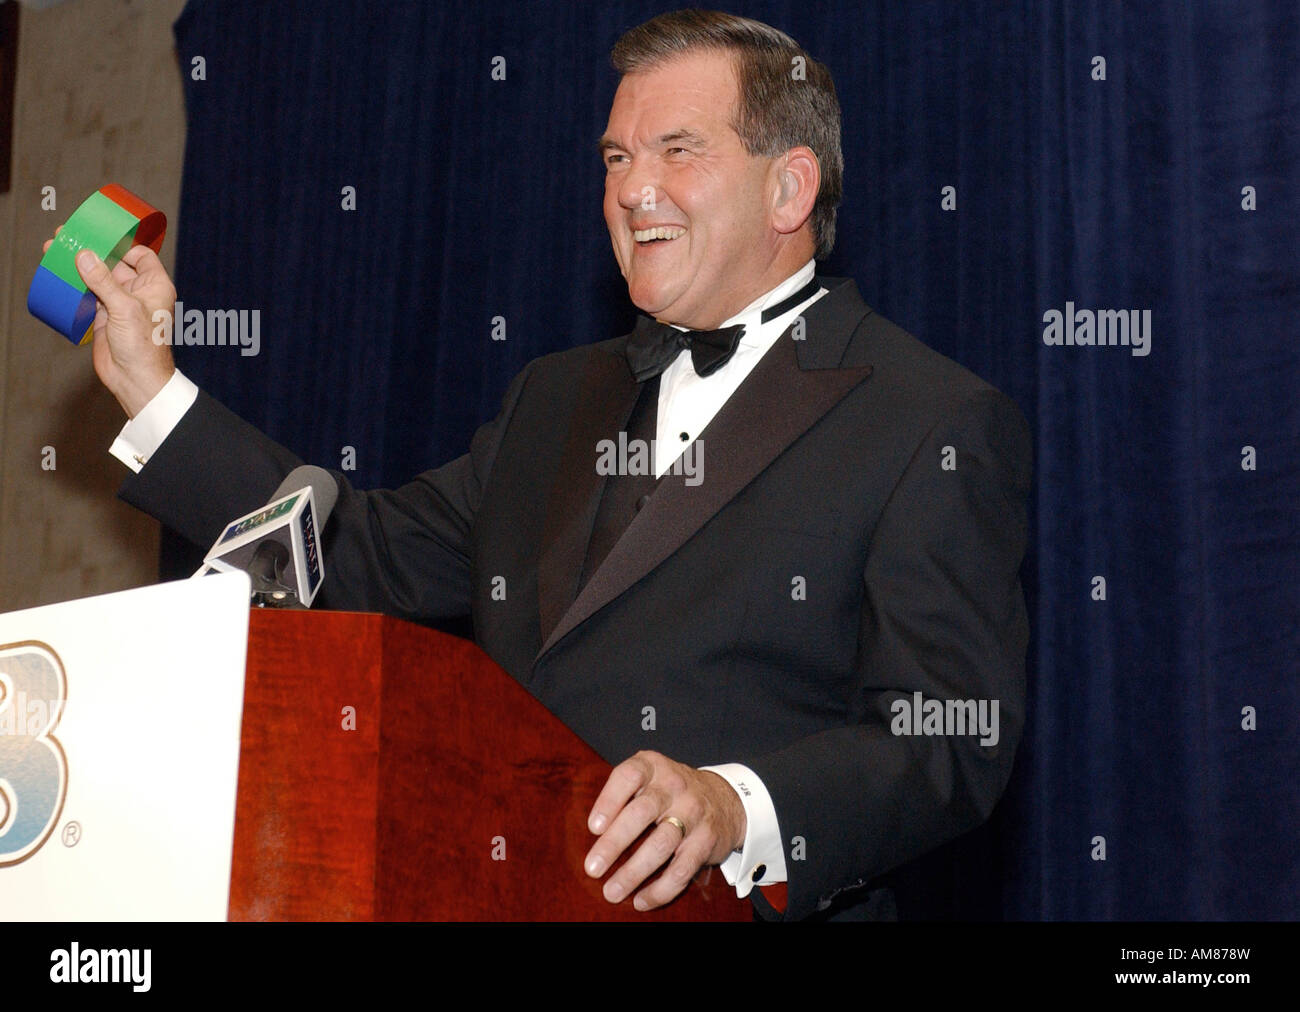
pixel 655 236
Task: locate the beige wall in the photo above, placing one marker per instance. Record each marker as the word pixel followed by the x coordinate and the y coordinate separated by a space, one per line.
pixel 98 99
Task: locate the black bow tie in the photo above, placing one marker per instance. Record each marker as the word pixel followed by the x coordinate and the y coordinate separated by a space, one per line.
pixel 653 345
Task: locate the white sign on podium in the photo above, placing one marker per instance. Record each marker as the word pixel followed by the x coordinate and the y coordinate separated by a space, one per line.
pixel 119 753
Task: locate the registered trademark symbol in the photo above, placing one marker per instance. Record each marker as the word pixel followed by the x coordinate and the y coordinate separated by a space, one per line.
pixel 71 833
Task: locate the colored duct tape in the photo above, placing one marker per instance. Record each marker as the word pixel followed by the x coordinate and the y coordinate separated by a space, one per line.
pixel 110 221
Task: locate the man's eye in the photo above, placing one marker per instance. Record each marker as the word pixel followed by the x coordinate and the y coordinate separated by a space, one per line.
pixel 615 159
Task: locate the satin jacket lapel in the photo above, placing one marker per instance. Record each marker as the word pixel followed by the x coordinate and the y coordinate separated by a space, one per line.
pixel 792 386
pixel 605 398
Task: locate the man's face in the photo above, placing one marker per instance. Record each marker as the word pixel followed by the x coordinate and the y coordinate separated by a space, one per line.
pixel 674 165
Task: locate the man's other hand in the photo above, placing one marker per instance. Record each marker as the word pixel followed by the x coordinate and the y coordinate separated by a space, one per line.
pixel 127 359
pixel 650 788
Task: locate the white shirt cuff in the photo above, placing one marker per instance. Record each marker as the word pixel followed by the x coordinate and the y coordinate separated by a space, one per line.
pixel 142 435
pixel 762 851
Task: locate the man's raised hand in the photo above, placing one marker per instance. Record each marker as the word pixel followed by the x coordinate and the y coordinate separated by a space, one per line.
pixel 128 361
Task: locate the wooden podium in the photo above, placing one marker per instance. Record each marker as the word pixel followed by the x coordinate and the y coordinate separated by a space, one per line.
pixel 388 772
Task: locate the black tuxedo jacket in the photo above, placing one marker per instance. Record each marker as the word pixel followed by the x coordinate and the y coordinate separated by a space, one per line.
pixel 828 564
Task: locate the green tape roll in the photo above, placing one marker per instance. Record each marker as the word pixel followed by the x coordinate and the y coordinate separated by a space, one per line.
pixel 99 224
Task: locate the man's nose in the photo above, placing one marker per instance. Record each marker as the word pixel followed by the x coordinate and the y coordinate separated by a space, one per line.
pixel 639 187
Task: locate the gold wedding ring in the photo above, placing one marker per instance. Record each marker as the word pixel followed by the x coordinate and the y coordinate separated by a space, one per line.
pixel 681 826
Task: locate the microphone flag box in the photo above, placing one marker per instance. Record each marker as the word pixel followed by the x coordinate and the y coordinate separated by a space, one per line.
pixel 289 521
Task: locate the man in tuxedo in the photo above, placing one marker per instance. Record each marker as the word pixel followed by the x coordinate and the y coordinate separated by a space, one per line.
pixel 745 637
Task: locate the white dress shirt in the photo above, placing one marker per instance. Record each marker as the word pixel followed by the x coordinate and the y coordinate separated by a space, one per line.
pixel 687 403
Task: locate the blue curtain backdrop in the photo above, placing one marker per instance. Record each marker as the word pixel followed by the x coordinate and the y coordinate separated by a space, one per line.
pixel 479 199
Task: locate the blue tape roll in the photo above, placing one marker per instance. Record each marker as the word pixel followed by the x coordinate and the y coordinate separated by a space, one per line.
pixel 55 302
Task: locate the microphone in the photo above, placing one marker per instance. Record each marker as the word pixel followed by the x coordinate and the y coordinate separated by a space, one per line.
pixel 279 544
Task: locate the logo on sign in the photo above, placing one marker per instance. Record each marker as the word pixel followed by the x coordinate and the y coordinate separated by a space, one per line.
pixel 33 767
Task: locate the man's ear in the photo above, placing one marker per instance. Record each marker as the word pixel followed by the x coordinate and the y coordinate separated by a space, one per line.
pixel 797 177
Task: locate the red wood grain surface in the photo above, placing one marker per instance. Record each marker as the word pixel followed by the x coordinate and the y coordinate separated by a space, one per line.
pixel 452 766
